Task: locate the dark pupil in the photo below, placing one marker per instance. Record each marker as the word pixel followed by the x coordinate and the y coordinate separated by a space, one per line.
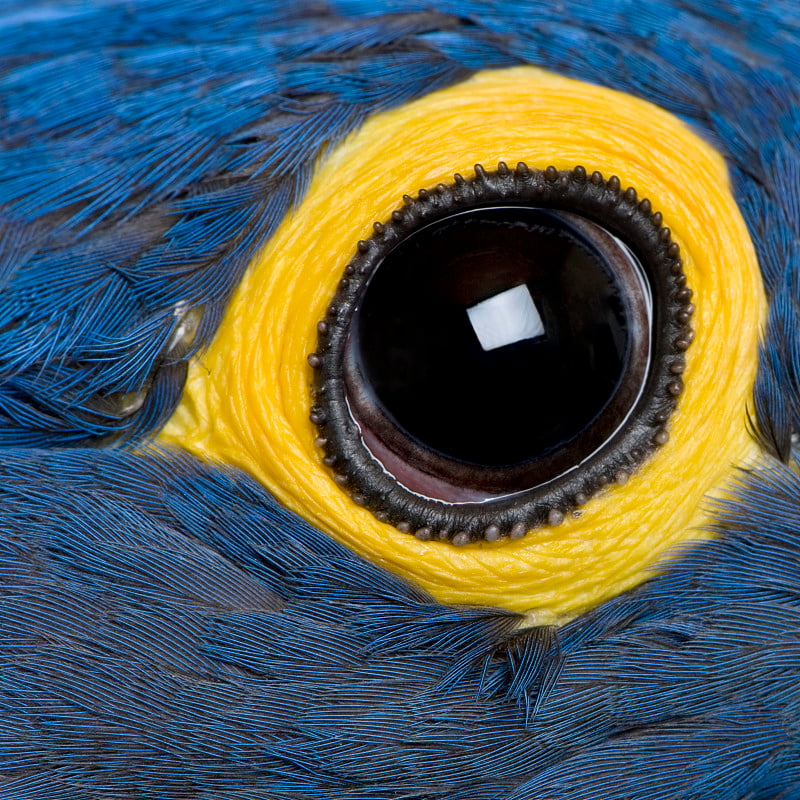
pixel 496 337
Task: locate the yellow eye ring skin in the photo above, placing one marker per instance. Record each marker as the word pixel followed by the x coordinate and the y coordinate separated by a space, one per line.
pixel 247 398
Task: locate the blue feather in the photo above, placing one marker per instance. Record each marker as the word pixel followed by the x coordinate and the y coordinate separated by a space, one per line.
pixel 159 645
pixel 183 184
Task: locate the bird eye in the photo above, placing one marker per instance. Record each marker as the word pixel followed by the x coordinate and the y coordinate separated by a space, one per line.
pixel 511 428
pixel 500 350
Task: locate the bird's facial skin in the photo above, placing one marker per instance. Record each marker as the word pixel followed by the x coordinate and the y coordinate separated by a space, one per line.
pixel 247 397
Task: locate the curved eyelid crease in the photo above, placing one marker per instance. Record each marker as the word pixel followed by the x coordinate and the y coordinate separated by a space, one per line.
pixel 256 377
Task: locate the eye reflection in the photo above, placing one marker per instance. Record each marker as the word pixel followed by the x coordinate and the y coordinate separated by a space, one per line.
pixel 506 318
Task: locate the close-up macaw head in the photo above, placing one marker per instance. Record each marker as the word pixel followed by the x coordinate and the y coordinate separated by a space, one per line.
pixel 399 400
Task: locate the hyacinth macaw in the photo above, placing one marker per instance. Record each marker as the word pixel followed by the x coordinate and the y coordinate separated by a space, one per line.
pixel 169 628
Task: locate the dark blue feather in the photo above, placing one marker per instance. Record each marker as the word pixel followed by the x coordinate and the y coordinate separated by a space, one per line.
pixel 166 647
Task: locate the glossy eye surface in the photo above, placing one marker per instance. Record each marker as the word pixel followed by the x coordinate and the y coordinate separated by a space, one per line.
pixel 497 337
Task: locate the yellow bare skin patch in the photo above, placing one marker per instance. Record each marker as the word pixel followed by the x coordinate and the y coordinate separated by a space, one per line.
pixel 247 398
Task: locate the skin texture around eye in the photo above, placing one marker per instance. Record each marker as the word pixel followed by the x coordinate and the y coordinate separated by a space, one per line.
pixel 247 397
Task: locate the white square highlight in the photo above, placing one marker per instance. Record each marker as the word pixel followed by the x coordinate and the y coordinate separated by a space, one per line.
pixel 508 317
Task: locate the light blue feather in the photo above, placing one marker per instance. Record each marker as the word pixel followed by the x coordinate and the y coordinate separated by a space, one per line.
pixel 150 148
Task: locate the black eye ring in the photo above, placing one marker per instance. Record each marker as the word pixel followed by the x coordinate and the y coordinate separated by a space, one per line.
pixel 434 491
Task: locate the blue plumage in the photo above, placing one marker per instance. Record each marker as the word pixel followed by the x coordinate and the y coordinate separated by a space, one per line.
pixel 203 127
pixel 168 630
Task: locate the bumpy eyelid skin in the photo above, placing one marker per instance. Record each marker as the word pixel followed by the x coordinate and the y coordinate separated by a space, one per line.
pixel 511 410
pixel 247 398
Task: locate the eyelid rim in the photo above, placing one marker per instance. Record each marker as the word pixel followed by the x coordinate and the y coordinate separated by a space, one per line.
pixel 623 214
